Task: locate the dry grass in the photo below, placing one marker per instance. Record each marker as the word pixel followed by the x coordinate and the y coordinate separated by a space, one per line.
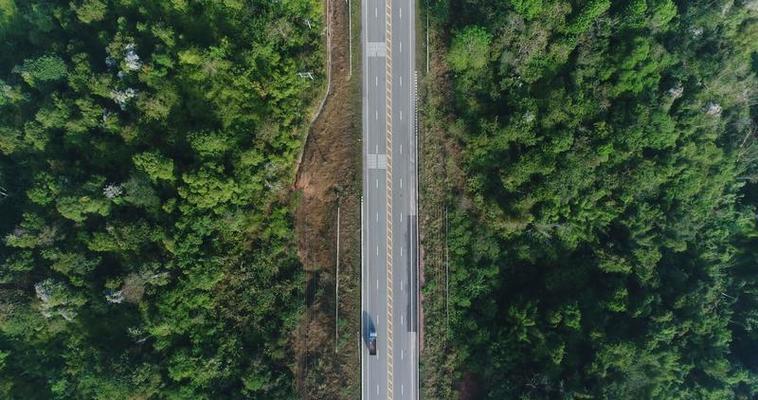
pixel 328 178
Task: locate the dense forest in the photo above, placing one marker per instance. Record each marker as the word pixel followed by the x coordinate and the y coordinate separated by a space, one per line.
pixel 147 150
pixel 604 245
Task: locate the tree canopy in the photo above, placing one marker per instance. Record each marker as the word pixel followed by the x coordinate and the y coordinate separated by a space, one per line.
pixel 146 153
pixel 603 245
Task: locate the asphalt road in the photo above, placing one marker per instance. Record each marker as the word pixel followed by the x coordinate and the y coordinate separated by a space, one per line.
pixel 389 292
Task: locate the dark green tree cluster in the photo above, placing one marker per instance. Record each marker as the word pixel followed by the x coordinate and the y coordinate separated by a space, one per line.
pixel 146 153
pixel 609 250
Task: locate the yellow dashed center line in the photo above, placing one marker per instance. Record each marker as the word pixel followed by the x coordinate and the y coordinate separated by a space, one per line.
pixel 388 175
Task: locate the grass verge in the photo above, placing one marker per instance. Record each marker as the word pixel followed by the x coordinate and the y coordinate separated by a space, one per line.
pixel 329 179
pixel 441 183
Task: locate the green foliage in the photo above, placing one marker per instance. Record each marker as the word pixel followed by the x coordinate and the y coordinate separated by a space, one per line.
pixel 145 230
pixel 56 299
pixel 155 165
pixel 7 13
pixel 528 8
pixel 638 68
pixel 469 51
pixel 76 208
pixel 208 189
pixel 663 11
pixel 589 13
pixel 139 192
pixel 43 69
pixel 210 144
pixel 89 11
pixel 16 266
pixel 76 267
pixel 603 245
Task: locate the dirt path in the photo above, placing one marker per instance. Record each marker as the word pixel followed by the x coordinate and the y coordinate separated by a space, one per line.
pixel 329 175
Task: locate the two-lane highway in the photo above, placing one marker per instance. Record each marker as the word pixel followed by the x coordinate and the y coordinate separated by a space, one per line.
pixel 389 290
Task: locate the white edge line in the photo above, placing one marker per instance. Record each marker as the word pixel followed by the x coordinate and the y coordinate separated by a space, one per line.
pixel 364 45
pixel 415 388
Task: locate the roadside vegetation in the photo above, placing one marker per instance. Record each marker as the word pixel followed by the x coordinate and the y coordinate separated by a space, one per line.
pixel 326 341
pixel 147 153
pixel 603 242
